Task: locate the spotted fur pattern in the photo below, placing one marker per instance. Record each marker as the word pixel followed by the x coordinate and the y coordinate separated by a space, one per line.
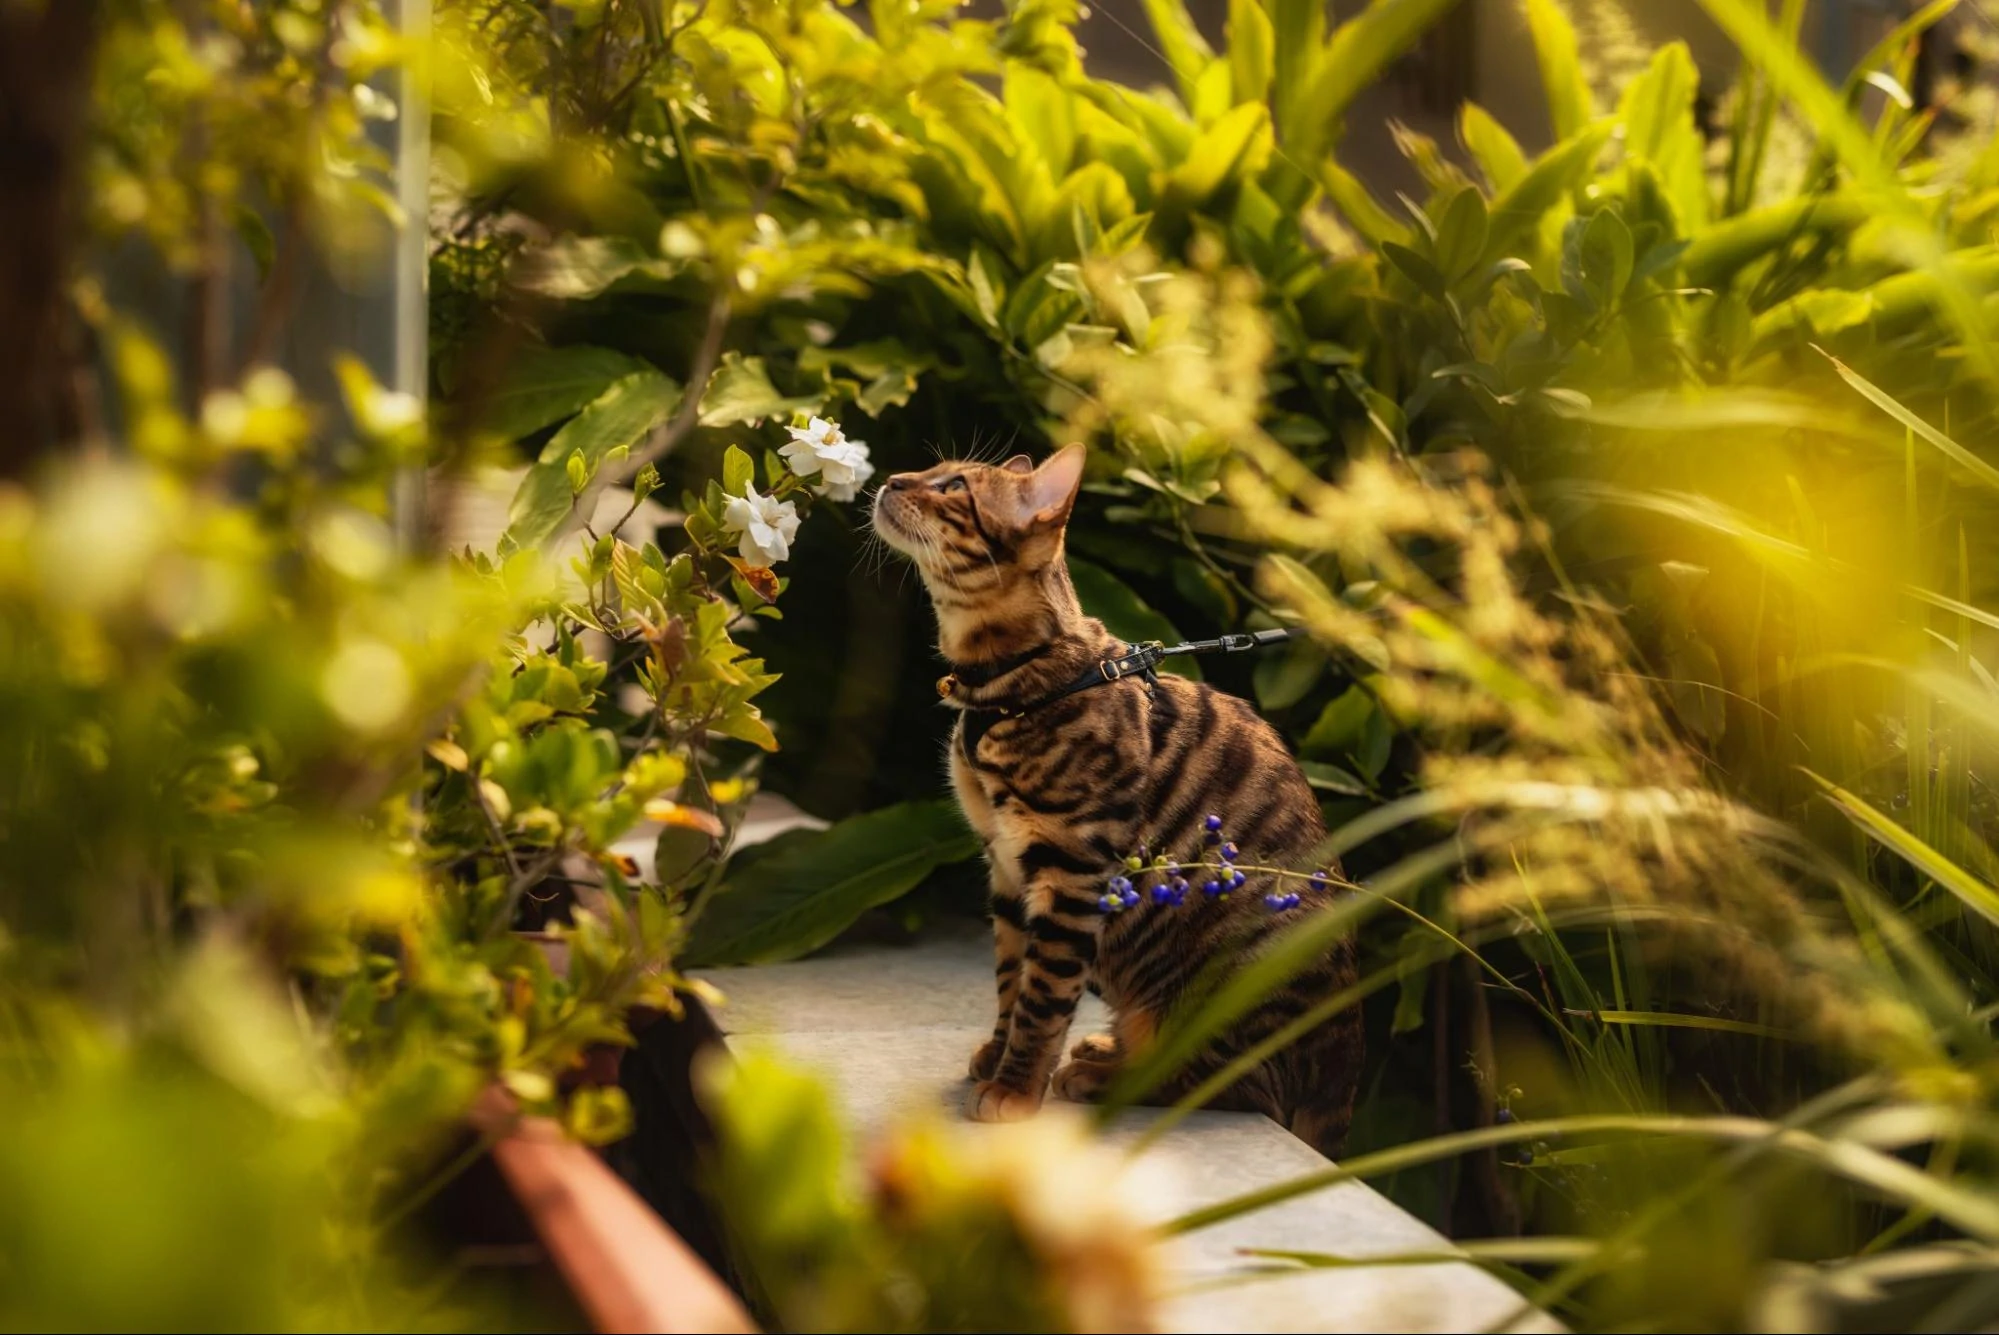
pixel 1060 793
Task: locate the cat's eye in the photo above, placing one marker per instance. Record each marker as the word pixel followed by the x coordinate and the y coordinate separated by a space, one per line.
pixel 953 483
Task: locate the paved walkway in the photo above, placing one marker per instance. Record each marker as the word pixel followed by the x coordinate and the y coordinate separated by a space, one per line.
pixel 892 1029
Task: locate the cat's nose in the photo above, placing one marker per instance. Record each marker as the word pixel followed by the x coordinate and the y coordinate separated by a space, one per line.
pixel 902 482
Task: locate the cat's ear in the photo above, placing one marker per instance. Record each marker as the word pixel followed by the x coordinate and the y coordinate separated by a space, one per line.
pixel 1020 463
pixel 1051 491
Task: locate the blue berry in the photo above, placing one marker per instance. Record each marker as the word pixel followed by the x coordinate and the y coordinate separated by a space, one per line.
pixel 1130 896
pixel 1162 894
pixel 1236 879
pixel 1212 888
pixel 1118 885
pixel 1171 869
pixel 1504 1117
pixel 1291 900
pixel 1318 880
pixel 1211 838
pixel 1230 852
pixel 1273 901
pixel 1212 823
pixel 1110 903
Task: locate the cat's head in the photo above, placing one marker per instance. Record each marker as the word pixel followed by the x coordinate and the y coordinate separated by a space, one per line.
pixel 971 527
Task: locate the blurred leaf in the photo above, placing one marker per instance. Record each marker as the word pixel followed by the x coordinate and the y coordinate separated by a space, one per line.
pixel 577 267
pixel 1126 615
pixel 1562 80
pixel 1283 679
pixel 740 393
pixel 544 385
pixel 1354 57
pixel 1252 61
pixel 1554 174
pixel 1332 779
pixel 792 895
pixel 1497 153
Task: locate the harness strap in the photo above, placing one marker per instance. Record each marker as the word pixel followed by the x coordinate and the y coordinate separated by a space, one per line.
pixel 1139 661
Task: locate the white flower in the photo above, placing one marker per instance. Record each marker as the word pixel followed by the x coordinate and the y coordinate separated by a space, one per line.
pixel 818 449
pixel 845 470
pixel 809 444
pixel 766 524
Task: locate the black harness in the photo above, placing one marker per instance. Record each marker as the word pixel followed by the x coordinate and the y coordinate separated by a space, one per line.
pixel 1139 661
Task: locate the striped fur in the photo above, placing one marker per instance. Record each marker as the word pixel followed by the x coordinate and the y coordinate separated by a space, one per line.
pixel 1061 793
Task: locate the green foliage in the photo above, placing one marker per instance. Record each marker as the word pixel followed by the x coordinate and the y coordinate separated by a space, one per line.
pixel 1029 1227
pixel 700 222
pixel 795 893
pixel 310 835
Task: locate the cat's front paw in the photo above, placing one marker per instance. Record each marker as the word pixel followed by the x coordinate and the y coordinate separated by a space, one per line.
pixel 991 1101
pixel 1083 1081
pixel 985 1062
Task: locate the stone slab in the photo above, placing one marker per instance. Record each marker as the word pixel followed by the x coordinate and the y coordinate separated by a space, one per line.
pixel 892 1028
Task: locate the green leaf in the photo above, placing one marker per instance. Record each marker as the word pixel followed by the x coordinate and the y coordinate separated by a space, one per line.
pixel 1356 55
pixel 578 267
pixel 1252 60
pixel 740 394
pixel 1461 235
pixel 1359 51
pixel 1282 680
pixel 1340 725
pixel 1187 52
pixel 619 416
pixel 1497 153
pixel 1359 207
pixel 1416 269
pixel 1355 727
pixel 545 385
pixel 1126 615
pixel 987 290
pixel 1520 209
pixel 1658 114
pixel 1562 78
pixel 794 894
pixel 1719 251
pixel 739 471
pixel 1604 257
pixel 1332 779
pixel 1042 114
pixel 1234 145
pixel 1298 31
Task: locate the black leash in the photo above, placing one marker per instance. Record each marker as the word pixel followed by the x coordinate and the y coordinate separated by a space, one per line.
pixel 1142 661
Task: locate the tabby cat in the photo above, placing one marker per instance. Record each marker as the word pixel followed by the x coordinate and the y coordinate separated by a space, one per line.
pixel 1062 787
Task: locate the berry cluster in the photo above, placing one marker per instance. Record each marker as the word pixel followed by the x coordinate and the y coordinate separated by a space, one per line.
pixel 1172 879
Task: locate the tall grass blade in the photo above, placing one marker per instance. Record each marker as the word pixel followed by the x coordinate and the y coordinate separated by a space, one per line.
pixel 1974 1212
pixel 1888 404
pixel 1973 893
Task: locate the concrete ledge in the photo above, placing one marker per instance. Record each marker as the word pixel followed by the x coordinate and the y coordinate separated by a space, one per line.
pixel 892 1028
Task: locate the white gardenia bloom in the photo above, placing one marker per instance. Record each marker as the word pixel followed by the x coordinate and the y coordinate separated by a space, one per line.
pixel 844 470
pixel 809 444
pixel 766 525
pixel 819 449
